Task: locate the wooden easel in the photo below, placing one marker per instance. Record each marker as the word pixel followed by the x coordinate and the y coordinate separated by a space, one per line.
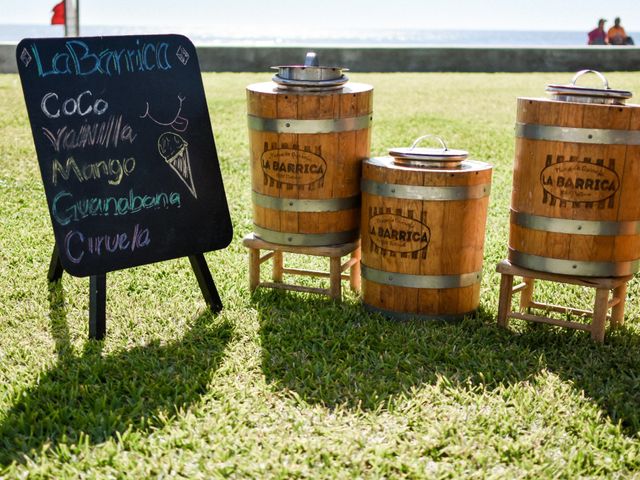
pixel 275 252
pixel 98 291
pixel 603 286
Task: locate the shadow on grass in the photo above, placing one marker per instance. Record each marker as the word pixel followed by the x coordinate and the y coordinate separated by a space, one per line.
pixel 91 397
pixel 337 354
pixel 609 374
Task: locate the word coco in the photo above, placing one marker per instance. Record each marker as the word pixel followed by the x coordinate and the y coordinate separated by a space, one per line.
pixel 51 107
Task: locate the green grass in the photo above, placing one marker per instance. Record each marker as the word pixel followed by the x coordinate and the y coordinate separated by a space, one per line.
pixel 283 385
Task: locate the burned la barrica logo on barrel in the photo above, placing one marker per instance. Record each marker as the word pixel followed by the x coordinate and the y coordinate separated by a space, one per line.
pixel 398 234
pixel 582 183
pixel 293 167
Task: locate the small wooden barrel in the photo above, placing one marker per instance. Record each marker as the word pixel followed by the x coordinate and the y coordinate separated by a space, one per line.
pixel 309 131
pixel 423 222
pixel 576 181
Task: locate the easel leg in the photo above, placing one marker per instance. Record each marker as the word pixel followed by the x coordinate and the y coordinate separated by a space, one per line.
pixel 55 267
pixel 205 281
pixel 97 306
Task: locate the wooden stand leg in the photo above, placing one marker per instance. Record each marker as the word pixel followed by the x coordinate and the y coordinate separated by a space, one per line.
pixel 335 283
pixel 617 311
pixel 354 272
pixel 97 306
pixel 254 268
pixel 278 266
pixel 526 295
pixel 599 315
pixel 504 304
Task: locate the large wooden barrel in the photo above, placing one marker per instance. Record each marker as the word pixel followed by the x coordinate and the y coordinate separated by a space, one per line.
pixel 423 223
pixel 309 132
pixel 576 183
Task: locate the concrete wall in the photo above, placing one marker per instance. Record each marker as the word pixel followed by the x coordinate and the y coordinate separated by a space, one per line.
pixel 408 59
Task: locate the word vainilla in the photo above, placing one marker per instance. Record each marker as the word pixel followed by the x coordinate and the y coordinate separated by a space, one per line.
pixel 105 134
pixel 65 209
pixel 78 59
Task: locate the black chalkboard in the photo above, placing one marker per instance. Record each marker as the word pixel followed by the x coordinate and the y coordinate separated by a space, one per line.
pixel 125 147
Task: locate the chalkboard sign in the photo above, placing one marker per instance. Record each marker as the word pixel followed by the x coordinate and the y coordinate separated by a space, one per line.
pixel 125 147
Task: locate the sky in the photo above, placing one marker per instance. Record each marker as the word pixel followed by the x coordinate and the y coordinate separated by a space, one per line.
pixel 569 15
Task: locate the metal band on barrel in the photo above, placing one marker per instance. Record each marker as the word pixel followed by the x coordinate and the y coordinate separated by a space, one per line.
pixel 305 239
pixel 576 227
pixel 285 125
pixel 577 135
pixel 573 267
pixel 416 192
pixel 305 205
pixel 420 281
pixel 404 316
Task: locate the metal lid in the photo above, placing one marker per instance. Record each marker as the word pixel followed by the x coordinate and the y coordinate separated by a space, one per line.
pixel 574 93
pixel 428 157
pixel 310 76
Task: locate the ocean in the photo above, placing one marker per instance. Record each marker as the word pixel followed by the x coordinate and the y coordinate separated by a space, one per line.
pixel 247 35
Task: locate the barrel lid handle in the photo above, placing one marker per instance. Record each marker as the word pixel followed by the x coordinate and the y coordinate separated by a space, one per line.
pixel 579 94
pixel 311 60
pixel 605 82
pixel 425 157
pixel 429 135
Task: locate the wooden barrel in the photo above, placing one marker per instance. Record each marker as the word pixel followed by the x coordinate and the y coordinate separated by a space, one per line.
pixel 307 147
pixel 576 179
pixel 423 236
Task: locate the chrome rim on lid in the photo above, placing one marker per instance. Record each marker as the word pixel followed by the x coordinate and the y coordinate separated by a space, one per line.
pixel 578 94
pixel 310 76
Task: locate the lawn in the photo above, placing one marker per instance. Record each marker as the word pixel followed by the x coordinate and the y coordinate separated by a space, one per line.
pixel 290 385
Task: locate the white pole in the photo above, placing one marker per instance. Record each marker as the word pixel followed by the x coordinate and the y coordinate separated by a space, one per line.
pixel 72 18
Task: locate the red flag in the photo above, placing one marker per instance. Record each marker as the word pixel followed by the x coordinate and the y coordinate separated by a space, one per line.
pixel 58 14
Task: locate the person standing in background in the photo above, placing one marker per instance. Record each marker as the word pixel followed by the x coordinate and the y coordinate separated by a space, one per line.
pixel 617 35
pixel 598 36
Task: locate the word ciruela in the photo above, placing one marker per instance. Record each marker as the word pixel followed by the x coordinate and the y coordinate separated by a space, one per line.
pixel 65 209
pixel 78 59
pixel 76 244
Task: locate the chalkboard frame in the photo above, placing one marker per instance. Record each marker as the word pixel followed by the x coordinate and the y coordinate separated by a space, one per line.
pixel 169 113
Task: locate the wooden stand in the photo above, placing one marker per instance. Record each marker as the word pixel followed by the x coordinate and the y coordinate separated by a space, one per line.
pixel 336 268
pixel 603 286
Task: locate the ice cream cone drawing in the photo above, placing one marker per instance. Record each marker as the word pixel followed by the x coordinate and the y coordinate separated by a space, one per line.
pixel 173 148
